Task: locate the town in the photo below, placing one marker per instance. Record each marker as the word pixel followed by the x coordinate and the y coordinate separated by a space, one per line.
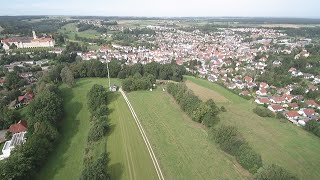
pixel 274 69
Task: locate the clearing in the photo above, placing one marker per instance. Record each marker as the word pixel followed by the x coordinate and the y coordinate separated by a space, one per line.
pixel 129 158
pixel 181 145
pixel 280 143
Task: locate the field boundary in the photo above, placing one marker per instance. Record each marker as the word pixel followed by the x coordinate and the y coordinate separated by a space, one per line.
pixel 144 136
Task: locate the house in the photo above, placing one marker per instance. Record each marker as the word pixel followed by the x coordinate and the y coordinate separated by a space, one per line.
pixel 307 112
pixel 248 79
pixel 16 140
pixel 251 85
pixel 312 88
pixel 262 92
pixel 308 76
pixel 288 98
pixel 275 108
pixel 231 86
pixel 264 85
pixel 21 126
pixel 292 115
pixel 293 105
pixel 262 101
pixel 27 98
pixel 212 78
pixel 245 93
pixel 278 100
pixel 312 103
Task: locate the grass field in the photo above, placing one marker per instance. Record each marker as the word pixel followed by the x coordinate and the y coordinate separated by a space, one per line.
pixel 70 31
pixel 129 158
pixel 281 143
pixel 181 145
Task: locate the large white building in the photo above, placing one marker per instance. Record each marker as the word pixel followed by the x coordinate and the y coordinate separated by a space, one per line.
pixel 28 42
pixel 16 140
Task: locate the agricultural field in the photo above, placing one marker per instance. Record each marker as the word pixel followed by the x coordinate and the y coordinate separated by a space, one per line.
pixel 129 158
pixel 280 143
pixel 70 31
pixel 181 145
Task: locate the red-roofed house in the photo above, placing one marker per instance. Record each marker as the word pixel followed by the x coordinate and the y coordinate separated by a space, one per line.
pixel 248 79
pixel 292 115
pixel 27 98
pixel 21 126
pixel 275 108
pixel 307 112
pixel 262 101
pixel 264 85
pixel 278 100
pixel 261 92
pixel 312 103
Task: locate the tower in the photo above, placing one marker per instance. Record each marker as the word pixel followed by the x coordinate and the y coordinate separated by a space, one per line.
pixel 34 35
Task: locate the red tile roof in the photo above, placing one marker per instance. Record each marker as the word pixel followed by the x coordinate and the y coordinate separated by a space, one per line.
pixel 21 126
pixel 309 112
pixel 292 114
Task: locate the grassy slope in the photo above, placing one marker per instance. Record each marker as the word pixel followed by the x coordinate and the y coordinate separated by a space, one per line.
pixel 281 143
pixel 128 154
pixel 180 144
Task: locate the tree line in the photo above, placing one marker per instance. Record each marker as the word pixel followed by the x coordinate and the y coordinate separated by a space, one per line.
pixel 227 137
pixel 97 103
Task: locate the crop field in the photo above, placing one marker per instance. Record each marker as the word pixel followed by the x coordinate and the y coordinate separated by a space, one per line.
pixel 181 145
pixel 128 154
pixel 280 143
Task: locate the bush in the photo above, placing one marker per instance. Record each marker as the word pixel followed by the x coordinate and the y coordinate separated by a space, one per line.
pixel 97 96
pixel 223 109
pixel 248 158
pixel 263 112
pixel 273 172
pixel 101 111
pixel 280 116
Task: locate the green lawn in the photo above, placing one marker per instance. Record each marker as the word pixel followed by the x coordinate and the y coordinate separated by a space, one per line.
pixel 128 154
pixel 281 143
pixel 181 145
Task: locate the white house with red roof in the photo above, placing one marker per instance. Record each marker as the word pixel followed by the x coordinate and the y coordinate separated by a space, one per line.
pixel 292 115
pixel 262 92
pixel 275 108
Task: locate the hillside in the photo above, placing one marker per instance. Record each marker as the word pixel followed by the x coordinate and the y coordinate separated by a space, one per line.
pixel 281 143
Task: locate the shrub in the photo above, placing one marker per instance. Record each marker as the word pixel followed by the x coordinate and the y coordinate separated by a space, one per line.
pixel 273 172
pixel 223 109
pixel 263 112
pixel 210 119
pixel 248 158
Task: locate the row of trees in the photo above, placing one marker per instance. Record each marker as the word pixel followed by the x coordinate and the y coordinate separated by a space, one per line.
pixel 313 127
pixel 43 114
pixel 230 141
pixel 97 103
pixel 202 112
pixel 118 69
pixel 138 82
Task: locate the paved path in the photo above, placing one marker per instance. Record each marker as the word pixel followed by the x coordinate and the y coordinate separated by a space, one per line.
pixel 144 136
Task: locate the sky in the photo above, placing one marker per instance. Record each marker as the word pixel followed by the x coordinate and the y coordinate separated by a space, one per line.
pixel 164 8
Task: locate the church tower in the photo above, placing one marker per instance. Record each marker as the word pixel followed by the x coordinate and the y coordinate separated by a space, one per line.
pixel 34 35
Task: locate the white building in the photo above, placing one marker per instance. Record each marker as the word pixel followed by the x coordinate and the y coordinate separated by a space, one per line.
pixel 28 42
pixel 16 140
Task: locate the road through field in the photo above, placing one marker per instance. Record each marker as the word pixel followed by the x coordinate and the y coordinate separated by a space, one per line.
pixel 144 136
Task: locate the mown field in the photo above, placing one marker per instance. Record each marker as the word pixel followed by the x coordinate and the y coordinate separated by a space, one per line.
pixel 181 145
pixel 128 154
pixel 281 143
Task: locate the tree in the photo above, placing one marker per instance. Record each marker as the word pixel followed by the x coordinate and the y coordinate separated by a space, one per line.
pixel 67 76
pixel 13 46
pixel 273 172
pixel 97 170
pixel 97 96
